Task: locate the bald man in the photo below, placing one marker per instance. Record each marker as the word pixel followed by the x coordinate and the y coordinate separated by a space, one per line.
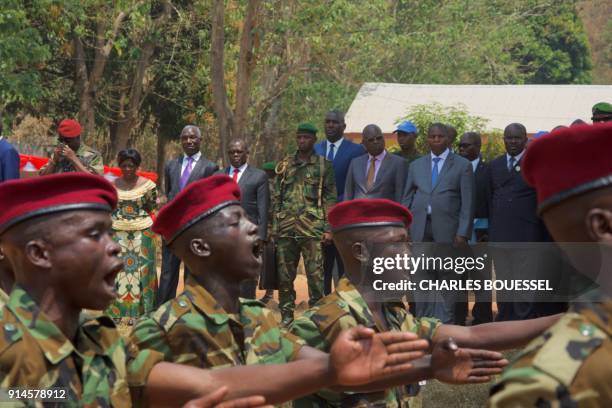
pixel 178 173
pixel 376 174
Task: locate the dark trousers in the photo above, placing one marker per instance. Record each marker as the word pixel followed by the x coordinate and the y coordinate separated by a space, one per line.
pixel 168 280
pixel 330 255
pixel 482 311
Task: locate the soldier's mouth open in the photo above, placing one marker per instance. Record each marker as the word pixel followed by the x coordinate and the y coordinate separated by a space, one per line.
pixel 258 249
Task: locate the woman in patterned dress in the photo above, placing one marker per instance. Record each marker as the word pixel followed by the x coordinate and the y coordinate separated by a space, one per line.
pixel 136 285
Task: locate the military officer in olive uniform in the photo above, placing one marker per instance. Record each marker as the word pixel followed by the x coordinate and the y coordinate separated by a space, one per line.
pixel 304 190
pixel 570 364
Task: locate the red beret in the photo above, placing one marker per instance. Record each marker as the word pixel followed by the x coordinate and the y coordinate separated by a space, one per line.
pixel 569 162
pixel 196 202
pixel 33 197
pixel 365 212
pixel 69 128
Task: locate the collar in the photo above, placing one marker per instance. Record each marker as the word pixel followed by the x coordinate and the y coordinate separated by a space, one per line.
pixel 475 163
pixel 208 305
pixel 240 169
pixel 298 161
pixel 336 144
pixel 442 155
pixel 518 157
pixel 361 312
pixel 195 157
pixel 379 158
pixel 49 337
pixel 1 137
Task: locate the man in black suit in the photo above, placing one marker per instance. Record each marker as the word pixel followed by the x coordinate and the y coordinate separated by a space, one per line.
pixel 254 196
pixel 178 173
pixel 469 148
pixel 513 218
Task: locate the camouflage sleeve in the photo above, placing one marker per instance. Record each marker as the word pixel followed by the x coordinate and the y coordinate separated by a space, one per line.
pixel 527 387
pixel 306 329
pixel 95 164
pixel 425 327
pixel 330 195
pixel 147 335
pixel 140 362
pixel 276 203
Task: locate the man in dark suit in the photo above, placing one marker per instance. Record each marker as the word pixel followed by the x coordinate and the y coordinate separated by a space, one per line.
pixel 440 193
pixel 377 174
pixel 9 159
pixel 469 148
pixel 340 151
pixel 178 173
pixel 513 218
pixel 254 197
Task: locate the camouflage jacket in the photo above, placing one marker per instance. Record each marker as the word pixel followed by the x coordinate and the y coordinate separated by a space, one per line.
pixel 570 365
pixel 303 193
pixel 91 158
pixel 194 329
pixel 409 158
pixel 93 371
pixel 346 308
pixel 3 298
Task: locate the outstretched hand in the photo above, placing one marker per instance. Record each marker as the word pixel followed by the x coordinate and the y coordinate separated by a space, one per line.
pixel 214 400
pixel 454 365
pixel 359 355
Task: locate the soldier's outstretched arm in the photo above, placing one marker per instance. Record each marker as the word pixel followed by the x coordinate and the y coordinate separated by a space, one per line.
pixel 357 357
pixel 498 335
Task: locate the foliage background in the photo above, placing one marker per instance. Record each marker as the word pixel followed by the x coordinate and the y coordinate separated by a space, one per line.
pixel 134 72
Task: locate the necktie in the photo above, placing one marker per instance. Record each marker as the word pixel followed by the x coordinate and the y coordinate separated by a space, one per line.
pixel 186 173
pixel 236 171
pixel 511 163
pixel 330 154
pixel 371 173
pixel 435 171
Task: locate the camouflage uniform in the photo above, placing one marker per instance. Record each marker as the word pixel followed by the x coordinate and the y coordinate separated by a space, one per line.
pixel 303 193
pixel 194 329
pixel 570 365
pixel 346 308
pixel 3 298
pixel 90 158
pixel 94 371
pixel 409 158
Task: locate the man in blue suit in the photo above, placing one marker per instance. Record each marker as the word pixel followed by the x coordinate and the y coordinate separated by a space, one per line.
pixel 340 151
pixel 9 159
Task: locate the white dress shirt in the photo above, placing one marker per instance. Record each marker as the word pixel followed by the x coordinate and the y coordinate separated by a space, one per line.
pixel 241 170
pixel 195 158
pixel 336 144
pixel 517 158
pixel 475 164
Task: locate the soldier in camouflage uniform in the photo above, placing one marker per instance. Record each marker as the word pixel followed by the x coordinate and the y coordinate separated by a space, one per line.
pixel 208 325
pixel 570 365
pixel 46 225
pixel 305 189
pixel 71 155
pixel 382 221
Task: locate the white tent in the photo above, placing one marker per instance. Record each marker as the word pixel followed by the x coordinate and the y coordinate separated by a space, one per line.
pixel 538 107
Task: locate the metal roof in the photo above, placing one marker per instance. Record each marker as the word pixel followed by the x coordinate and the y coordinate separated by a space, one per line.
pixel 538 107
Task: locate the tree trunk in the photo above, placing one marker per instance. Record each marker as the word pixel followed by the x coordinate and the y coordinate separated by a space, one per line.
pixel 219 89
pixel 246 65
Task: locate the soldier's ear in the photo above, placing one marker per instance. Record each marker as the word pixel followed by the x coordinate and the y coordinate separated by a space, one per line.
pixel 599 225
pixel 199 247
pixel 37 253
pixel 360 251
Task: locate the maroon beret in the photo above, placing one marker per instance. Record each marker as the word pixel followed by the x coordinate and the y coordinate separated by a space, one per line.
pixel 27 198
pixel 196 202
pixel 569 162
pixel 69 128
pixel 365 212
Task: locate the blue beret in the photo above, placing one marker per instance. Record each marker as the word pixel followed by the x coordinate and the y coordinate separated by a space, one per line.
pixel 406 127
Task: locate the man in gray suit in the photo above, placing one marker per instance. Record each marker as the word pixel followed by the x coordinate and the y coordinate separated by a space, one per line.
pixel 178 173
pixel 376 174
pixel 254 196
pixel 440 193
